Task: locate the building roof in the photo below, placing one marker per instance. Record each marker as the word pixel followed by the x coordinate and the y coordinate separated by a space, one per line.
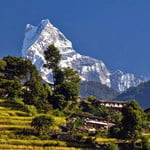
pixel 111 101
pixel 100 123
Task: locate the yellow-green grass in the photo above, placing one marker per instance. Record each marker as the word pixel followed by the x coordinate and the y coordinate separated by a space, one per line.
pixel 8 126
pixel 27 147
pixel 113 140
pixel 14 121
pixel 33 142
pixel 146 134
pixel 12 113
pixel 3 108
pixel 58 121
pixel 1 100
pixel 20 118
pixel 107 140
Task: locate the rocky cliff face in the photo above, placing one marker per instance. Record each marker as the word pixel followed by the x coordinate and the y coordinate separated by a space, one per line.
pixel 36 40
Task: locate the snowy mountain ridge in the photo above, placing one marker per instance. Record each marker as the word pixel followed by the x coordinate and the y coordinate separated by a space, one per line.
pixel 38 38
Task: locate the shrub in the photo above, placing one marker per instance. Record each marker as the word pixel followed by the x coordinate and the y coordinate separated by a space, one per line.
pixel 59 102
pixel 114 132
pixel 90 141
pixel 42 124
pixel 57 112
pixel 77 137
pixel 31 110
pixel 103 133
pixel 25 132
pixel 91 98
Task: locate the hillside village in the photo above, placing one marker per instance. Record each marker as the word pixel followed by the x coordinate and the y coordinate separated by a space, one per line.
pixel 35 114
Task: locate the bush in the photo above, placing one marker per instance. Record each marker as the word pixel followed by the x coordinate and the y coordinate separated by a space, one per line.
pixel 91 98
pixel 103 133
pixel 31 110
pixel 114 132
pixel 59 102
pixel 57 112
pixel 42 124
pixel 77 137
pixel 90 141
pixel 26 132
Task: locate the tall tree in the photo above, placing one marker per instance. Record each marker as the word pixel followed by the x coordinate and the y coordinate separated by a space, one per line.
pixel 69 89
pixel 36 93
pixel 67 83
pixel 66 80
pixel 2 64
pixel 70 75
pixel 16 66
pixel 65 75
pixel 52 56
pixel 12 70
pixel 2 67
pixel 11 88
pixel 132 120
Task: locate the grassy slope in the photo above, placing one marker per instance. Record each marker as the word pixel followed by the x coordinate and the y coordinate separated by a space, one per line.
pixel 13 123
pixel 14 129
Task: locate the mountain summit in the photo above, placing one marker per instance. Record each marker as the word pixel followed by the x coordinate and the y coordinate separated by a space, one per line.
pixel 36 41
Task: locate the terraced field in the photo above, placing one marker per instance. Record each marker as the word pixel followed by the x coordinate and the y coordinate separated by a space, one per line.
pixel 16 132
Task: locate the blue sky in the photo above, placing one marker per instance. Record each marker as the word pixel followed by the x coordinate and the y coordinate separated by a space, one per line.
pixel 115 31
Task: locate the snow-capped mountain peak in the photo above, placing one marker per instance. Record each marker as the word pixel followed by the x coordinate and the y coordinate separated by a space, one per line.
pixel 38 38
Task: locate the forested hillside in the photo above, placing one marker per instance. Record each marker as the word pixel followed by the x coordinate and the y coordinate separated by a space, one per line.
pixel 97 89
pixel 140 93
pixel 34 114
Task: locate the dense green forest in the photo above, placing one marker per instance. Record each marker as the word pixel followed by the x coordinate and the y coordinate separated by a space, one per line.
pixel 46 115
pixel 141 93
pixel 97 89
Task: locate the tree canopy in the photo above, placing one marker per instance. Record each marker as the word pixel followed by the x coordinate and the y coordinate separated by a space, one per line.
pixel 65 80
pixel 16 66
pixel 42 124
pixel 52 56
pixel 132 120
pixel 20 78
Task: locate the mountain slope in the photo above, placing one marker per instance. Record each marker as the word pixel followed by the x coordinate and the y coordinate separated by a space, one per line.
pixel 141 93
pixel 122 81
pixel 97 89
pixel 38 38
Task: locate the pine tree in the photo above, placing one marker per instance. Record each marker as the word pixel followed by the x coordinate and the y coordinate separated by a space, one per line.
pixel 52 56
